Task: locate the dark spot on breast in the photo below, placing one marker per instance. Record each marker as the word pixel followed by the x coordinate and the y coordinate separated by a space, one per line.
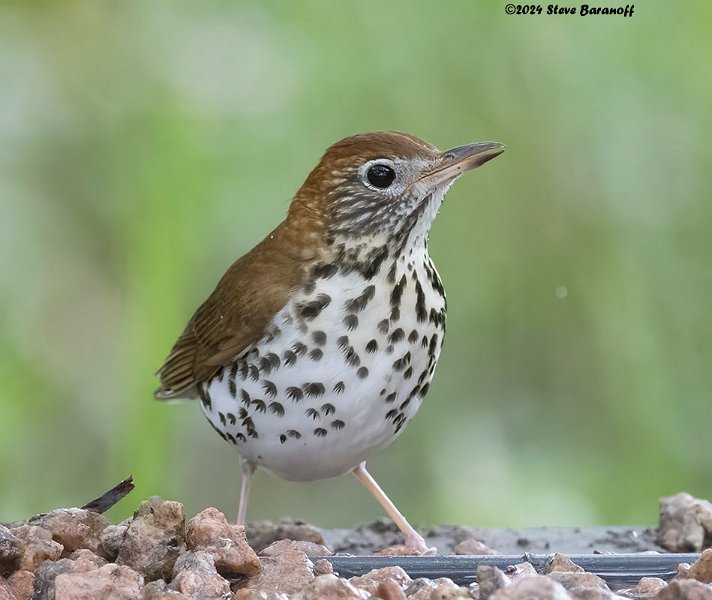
pixel 319 338
pixel 312 413
pixel 313 389
pixel 222 418
pixel 242 413
pixel 433 345
pixel 339 387
pixel 397 292
pixel 343 341
pixel 265 366
pixel 391 397
pixel 310 310
pixel 327 409
pixel 294 393
pixel 273 360
pixel 337 424
pixel 405 403
pixel 424 342
pixel 357 304
pixel 324 270
pixel 320 432
pixel 293 433
pixel 316 354
pixel 389 349
pixel 424 390
pixel 299 349
pixel 391 277
pixel 383 326
pixel 395 313
pixel 362 372
pixel 351 322
pixel 282 439
pixel 231 417
pixel 243 370
pixel 413 337
pixel 276 408
pixel 254 372
pixel 240 437
pixel 396 336
pixel 351 357
pixel 420 310
pixel 245 397
pixel 204 396
pixel 392 414
pixel 372 346
pixel 269 388
pixel 408 373
pixel 259 405
pixel 372 264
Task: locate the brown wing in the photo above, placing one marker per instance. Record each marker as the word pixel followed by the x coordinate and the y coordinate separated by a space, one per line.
pixel 237 313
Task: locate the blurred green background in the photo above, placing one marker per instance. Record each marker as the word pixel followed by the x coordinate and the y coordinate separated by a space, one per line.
pixel 146 145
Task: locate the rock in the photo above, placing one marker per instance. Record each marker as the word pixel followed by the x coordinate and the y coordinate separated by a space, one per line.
pixel 578 580
pixel 46 574
pixel 685 523
pixel 258 595
pixel 75 528
pixel 536 586
pixel 592 593
pixel 265 533
pixel 397 550
pixel 490 579
pixel 520 570
pixel 472 546
pixel 22 584
pixel 117 582
pixel 285 570
pixel 38 546
pixel 10 551
pixel 562 563
pixel 390 590
pixel 439 589
pixel 684 589
pixel 647 588
pixel 6 592
pixel 322 567
pixel 209 531
pixel 373 579
pixel 110 541
pixel 331 587
pixel 158 590
pixel 84 556
pixel 196 577
pixel 154 539
pixel 701 569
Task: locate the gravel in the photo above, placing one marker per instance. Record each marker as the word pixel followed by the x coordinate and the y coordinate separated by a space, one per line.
pixel 75 554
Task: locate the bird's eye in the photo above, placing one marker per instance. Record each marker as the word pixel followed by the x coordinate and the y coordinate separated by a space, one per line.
pixel 381 176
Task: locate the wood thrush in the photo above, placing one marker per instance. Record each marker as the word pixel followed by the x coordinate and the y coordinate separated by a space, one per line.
pixel 317 347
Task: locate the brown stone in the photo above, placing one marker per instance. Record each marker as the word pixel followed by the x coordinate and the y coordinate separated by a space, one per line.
pixel 159 590
pixel 196 577
pixel 117 582
pixel 520 570
pixel 685 523
pixel 562 563
pixel 490 579
pixel 75 528
pixel 471 546
pixel 6 592
pixel 265 533
pixel 322 567
pixel 439 589
pixel 592 593
pixel 578 580
pixel 285 569
pixel 84 556
pixel 154 539
pixel 246 594
pixel 685 589
pixel 209 531
pixel 390 590
pixel 701 569
pixel 10 550
pixel 331 587
pixel 536 586
pixel 22 584
pixel 38 546
pixel 397 550
pixel 110 541
pixel 371 580
pixel 647 587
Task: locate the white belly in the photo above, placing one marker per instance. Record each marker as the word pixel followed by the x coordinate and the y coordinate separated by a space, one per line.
pixel 316 399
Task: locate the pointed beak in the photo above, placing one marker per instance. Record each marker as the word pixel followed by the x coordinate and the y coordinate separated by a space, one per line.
pixel 453 163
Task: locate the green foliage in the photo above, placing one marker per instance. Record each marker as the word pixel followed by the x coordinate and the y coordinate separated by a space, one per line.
pixel 147 145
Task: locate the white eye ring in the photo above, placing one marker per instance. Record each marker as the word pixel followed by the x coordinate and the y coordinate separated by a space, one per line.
pixel 381 180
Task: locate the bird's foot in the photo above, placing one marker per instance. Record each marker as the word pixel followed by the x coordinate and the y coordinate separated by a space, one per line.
pixel 415 542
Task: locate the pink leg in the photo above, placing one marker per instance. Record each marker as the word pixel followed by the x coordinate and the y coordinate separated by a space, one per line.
pixel 247 470
pixel 413 540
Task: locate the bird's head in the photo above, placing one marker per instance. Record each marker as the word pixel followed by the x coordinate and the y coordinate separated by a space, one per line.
pixel 385 185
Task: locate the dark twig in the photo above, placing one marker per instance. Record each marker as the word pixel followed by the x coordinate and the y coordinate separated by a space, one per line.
pixel 108 499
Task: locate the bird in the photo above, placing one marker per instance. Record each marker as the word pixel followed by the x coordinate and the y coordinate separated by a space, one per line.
pixel 318 346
